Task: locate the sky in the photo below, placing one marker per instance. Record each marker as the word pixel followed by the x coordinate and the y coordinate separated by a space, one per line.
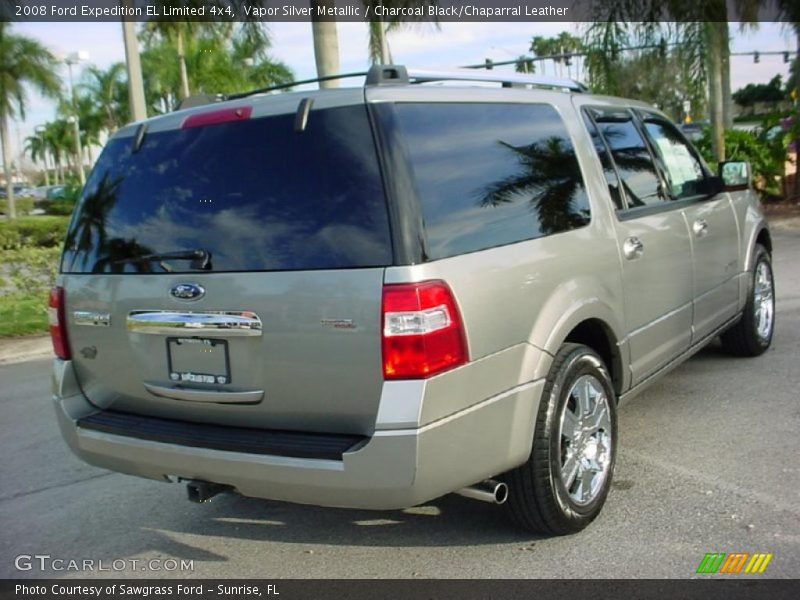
pixel 452 45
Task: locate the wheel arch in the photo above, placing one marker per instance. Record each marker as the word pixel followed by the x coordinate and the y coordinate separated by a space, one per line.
pixel 765 239
pixel 595 325
pixel 760 235
pixel 597 335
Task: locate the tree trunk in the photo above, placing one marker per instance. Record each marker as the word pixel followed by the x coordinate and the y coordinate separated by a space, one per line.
pixel 326 44
pixel 727 96
pixel 12 212
pixel 717 34
pixel 796 191
pixel 386 54
pixel 46 168
pixel 182 62
pixel 138 110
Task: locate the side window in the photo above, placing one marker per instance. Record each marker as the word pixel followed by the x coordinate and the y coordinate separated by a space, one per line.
pixel 612 179
pixel 491 174
pixel 635 164
pixel 684 172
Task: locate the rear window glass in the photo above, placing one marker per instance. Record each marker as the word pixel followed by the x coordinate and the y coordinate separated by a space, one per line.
pixel 492 174
pixel 251 195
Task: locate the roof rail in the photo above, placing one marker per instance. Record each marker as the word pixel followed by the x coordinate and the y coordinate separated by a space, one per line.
pixel 506 79
pixel 399 75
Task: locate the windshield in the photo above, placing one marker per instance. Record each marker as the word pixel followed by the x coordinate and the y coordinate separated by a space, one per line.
pixel 254 194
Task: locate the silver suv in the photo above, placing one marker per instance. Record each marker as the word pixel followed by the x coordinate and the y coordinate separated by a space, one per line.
pixel 371 297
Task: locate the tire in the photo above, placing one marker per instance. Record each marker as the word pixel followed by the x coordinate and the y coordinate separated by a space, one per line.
pixel 543 497
pixel 752 334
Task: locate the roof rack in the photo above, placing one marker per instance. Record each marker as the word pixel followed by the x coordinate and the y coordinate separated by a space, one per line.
pixel 381 75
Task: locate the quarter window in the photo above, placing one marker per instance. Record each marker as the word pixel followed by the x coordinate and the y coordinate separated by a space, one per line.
pixel 491 174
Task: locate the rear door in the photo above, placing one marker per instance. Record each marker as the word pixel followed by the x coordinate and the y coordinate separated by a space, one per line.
pixel 653 242
pixel 228 269
pixel 712 223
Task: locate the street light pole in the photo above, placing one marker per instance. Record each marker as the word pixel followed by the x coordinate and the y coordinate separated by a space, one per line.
pixel 78 150
pixel 73 59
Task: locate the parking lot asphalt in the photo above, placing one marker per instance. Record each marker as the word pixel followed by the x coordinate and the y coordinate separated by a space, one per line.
pixel 709 461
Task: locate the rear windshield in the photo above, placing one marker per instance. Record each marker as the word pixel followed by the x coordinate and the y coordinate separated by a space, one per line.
pixel 251 195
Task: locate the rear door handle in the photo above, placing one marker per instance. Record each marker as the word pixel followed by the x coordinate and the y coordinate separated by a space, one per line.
pixel 632 248
pixel 195 395
pixel 700 227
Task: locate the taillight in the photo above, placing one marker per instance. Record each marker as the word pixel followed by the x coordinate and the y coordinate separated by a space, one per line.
pixel 58 329
pixel 422 330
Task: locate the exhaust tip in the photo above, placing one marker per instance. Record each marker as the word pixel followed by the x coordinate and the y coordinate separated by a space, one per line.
pixel 500 493
pixel 489 490
pixel 203 491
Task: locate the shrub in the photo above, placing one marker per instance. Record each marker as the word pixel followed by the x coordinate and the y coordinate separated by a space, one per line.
pixel 64 203
pixel 41 232
pixel 766 164
pixel 23 204
pixel 32 270
pixel 62 207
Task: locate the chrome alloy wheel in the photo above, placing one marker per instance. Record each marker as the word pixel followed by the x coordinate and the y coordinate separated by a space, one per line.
pixel 585 440
pixel 763 301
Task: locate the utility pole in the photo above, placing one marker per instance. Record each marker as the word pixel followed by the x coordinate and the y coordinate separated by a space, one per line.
pixel 73 59
pixel 134 66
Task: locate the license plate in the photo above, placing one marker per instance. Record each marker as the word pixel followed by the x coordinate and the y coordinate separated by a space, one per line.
pixel 198 360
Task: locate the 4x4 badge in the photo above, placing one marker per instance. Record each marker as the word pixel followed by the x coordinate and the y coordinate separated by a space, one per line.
pixel 187 291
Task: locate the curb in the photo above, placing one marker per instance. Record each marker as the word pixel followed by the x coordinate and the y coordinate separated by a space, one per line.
pixel 15 350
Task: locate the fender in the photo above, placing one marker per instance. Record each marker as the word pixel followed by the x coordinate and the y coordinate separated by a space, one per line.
pixel 562 313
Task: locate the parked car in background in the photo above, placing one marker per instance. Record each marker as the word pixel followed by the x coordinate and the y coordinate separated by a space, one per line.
pixel 694 130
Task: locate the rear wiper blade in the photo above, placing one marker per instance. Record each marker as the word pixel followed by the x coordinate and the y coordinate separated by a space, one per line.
pixel 201 258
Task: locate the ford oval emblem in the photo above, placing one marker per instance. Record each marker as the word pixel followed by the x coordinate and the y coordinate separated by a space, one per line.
pixel 187 291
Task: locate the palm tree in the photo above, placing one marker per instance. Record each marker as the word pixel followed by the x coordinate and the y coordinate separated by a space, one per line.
pixel 326 42
pixel 176 34
pixel 36 148
pixel 58 142
pixel 23 61
pixel 326 37
pixel 217 61
pixel 108 91
pixel 790 11
pixel 180 34
pixel 701 25
pixel 378 49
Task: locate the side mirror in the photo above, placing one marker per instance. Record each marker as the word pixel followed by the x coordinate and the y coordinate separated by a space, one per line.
pixel 735 175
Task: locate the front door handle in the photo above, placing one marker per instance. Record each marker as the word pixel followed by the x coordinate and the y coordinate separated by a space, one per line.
pixel 633 248
pixel 700 227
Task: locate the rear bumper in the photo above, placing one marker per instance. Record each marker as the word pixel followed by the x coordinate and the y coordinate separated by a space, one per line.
pixel 395 468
